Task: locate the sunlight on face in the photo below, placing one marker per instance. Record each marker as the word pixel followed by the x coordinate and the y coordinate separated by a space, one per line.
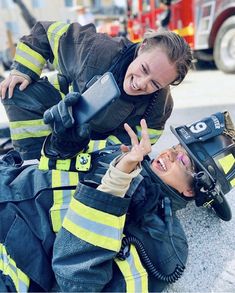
pixel 149 72
pixel 175 168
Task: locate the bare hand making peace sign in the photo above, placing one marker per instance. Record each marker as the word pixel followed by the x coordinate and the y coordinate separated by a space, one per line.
pixel 139 149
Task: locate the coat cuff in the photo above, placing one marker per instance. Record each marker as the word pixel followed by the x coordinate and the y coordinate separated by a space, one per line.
pixel 117 182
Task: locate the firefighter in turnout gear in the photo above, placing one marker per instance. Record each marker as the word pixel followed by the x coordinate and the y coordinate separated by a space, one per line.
pixel 142 71
pixel 117 229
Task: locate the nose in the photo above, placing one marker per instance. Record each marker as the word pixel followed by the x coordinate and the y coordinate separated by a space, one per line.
pixel 172 154
pixel 143 82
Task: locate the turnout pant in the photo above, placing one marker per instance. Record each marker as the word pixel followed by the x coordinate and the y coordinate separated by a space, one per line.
pixel 25 113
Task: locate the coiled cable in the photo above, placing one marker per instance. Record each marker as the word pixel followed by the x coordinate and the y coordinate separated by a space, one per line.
pixel 151 268
pixel 124 253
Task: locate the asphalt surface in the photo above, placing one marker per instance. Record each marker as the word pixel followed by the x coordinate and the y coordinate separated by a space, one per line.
pixel 211 261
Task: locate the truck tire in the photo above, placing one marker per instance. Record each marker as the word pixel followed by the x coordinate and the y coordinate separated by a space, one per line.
pixel 224 48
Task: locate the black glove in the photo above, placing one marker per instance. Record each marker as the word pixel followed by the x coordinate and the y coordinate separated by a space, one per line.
pixel 67 139
pixel 60 116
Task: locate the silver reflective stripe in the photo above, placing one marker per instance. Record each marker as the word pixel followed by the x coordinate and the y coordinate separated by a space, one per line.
pixel 54 35
pixel 30 58
pixel 134 273
pixel 66 194
pixel 23 132
pixel 97 228
pixel 61 197
pixel 10 269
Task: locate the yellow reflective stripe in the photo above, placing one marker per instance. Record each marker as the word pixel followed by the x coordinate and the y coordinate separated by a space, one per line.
pixel 54 33
pixel 227 163
pixel 185 31
pixel 71 88
pixel 134 273
pixel 61 198
pixel 29 58
pixel 9 268
pixel 232 182
pixel 94 226
pixel 53 79
pixel 73 179
pixel 95 145
pixel 28 129
pixel 113 139
pixel 44 163
pixel 63 164
pixel 57 201
pixel 154 134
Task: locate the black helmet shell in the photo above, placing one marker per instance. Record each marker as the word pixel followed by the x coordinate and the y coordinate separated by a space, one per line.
pixel 212 149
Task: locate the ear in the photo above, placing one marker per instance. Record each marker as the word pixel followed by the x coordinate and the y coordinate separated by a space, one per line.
pixel 188 192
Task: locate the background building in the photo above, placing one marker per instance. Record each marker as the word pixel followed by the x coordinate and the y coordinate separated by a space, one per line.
pixel 13 24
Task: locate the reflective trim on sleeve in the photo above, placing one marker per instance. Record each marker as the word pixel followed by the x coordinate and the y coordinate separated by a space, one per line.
pixel 28 129
pixel 94 226
pixel 53 79
pixel 54 33
pixel 9 268
pixel 95 145
pixel 29 58
pixel 153 134
pixel 113 140
pixel 62 197
pixel 134 273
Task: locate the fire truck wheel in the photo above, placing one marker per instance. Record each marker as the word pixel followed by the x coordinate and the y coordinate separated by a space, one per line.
pixel 224 49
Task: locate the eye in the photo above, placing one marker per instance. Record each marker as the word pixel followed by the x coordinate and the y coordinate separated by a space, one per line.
pixel 155 85
pixel 144 69
pixel 180 158
pixel 184 160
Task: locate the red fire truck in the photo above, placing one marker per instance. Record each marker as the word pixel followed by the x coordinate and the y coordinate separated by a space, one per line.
pixel 207 25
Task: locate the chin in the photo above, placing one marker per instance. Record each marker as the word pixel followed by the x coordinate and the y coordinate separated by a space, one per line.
pixel 126 89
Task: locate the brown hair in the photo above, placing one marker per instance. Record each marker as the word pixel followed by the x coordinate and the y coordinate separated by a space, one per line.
pixel 177 49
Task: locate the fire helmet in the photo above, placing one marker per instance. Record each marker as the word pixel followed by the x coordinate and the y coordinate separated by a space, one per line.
pixel 210 143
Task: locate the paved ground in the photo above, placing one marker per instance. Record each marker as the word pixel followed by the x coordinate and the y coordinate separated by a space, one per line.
pixel 211 262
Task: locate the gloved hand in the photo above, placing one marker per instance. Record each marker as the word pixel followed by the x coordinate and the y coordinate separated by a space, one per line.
pixel 60 116
pixel 67 139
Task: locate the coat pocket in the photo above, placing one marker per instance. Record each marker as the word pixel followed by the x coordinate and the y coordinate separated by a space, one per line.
pixel 28 254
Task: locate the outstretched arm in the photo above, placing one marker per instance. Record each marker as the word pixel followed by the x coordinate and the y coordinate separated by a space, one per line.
pixel 91 233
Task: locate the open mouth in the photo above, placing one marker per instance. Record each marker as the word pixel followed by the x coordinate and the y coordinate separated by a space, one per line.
pixel 133 84
pixel 160 165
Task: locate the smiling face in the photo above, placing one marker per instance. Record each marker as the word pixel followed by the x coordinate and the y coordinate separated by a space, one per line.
pixel 150 71
pixel 175 168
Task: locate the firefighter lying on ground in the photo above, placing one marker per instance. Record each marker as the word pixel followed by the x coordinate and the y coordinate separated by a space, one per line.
pixel 117 230
pixel 142 71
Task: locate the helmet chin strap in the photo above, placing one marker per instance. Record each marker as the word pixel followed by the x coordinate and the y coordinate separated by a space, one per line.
pixel 178 200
